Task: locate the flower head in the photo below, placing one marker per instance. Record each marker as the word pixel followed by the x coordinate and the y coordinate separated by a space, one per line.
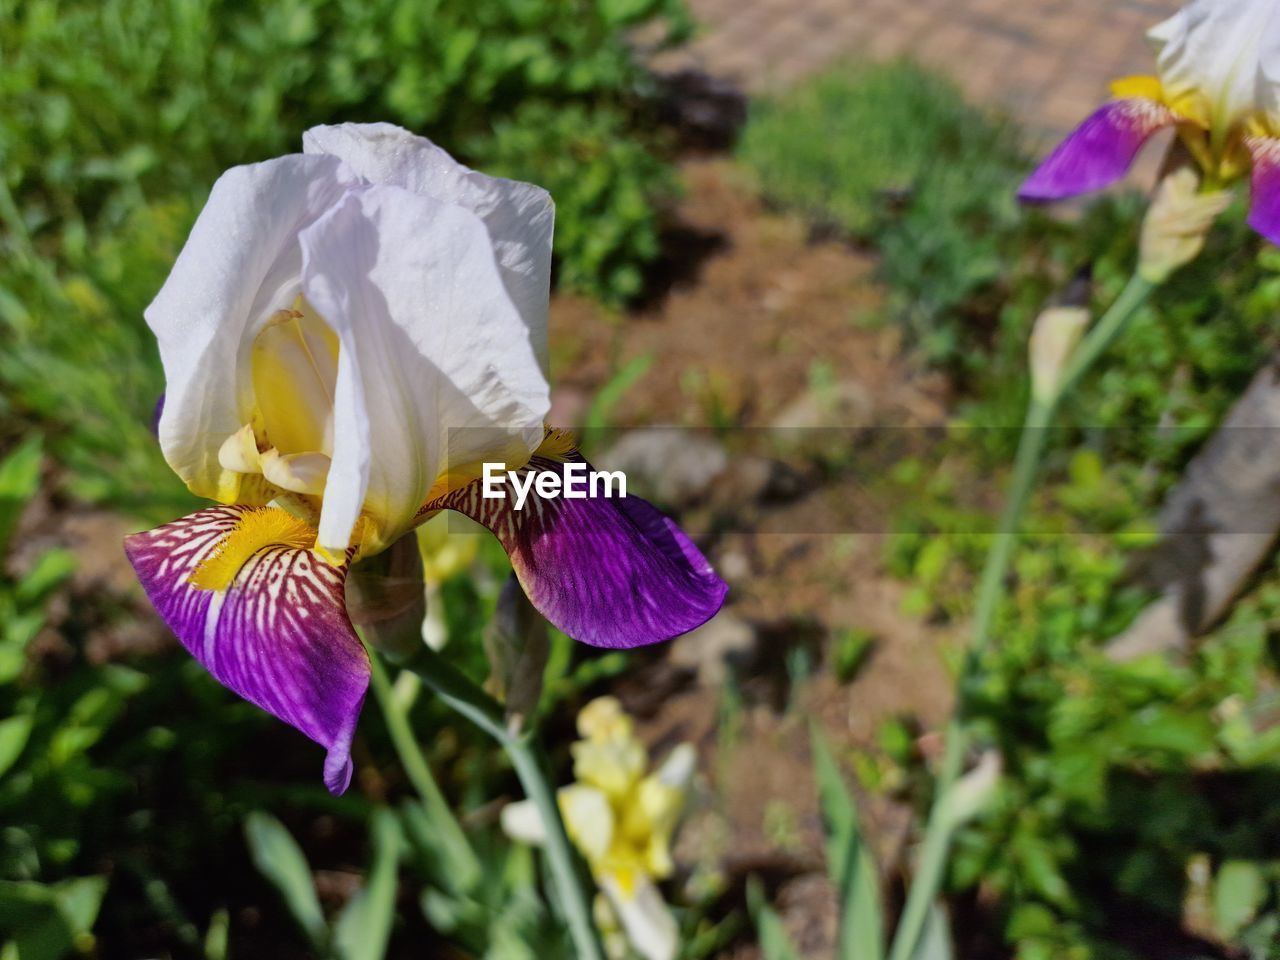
pixel 348 334
pixel 622 818
pixel 1217 82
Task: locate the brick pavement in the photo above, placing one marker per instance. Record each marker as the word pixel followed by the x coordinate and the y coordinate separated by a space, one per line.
pixel 1048 62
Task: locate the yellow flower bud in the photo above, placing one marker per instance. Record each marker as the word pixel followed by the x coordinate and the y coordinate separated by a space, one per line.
pixel 1177 223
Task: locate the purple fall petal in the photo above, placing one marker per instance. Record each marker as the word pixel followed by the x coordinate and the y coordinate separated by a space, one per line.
pixel 608 572
pixel 1098 152
pixel 279 636
pixel 1264 202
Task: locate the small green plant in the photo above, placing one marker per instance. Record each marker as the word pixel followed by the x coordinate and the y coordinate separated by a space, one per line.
pixel 120 115
pixel 892 155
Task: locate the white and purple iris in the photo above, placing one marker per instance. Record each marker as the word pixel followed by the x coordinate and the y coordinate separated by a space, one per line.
pixel 1217 83
pixel 347 336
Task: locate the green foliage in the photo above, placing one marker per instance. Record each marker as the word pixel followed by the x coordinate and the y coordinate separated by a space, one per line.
pixel 279 858
pixel 228 83
pixel 1111 766
pixel 775 944
pixel 49 921
pixel 362 929
pixel 850 865
pixel 849 861
pixel 893 156
pixel 159 773
pixel 119 115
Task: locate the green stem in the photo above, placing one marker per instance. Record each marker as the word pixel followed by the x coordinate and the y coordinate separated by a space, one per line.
pixel 1032 443
pixel 463 856
pixel 477 706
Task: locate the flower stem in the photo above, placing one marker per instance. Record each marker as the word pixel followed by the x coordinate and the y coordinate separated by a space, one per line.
pixel 460 693
pixel 462 857
pixel 1032 443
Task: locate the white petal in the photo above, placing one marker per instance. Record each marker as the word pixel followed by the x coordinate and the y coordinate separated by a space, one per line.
pixel 522 822
pixel 1269 75
pixel 240 263
pixel 645 917
pixel 298 472
pixel 677 770
pixel 239 452
pixel 1214 47
pixel 435 367
pixel 519 216
pixel 588 819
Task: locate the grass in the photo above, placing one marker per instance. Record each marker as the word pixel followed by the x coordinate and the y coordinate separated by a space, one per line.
pixel 857 141
pixel 893 156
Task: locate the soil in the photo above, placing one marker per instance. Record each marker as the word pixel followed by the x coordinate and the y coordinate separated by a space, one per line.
pixel 735 342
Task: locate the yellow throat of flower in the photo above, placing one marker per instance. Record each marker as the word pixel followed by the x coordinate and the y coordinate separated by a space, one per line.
pixel 1216 144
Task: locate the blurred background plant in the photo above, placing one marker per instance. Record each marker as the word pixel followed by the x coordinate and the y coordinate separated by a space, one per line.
pixel 1135 787
pixel 119 116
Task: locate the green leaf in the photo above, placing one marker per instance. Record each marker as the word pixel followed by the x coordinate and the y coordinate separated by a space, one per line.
pixel 19 479
pixel 14 733
pixel 774 942
pixel 364 926
pixel 216 938
pixel 597 417
pixel 279 858
pixel 50 569
pixel 935 938
pixel 48 921
pixel 850 863
pixel 449 866
pixel 1238 892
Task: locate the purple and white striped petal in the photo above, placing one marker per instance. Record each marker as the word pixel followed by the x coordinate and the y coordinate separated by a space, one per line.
pixel 278 635
pixel 1264 202
pixel 1098 152
pixel 610 572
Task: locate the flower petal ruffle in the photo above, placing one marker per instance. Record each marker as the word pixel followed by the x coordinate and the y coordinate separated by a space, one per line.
pixel 610 572
pixel 1098 152
pixel 518 216
pixel 240 264
pixel 436 369
pixel 278 635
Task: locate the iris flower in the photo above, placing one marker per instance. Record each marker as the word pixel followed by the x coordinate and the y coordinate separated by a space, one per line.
pixel 1217 83
pixel 348 334
pixel 621 817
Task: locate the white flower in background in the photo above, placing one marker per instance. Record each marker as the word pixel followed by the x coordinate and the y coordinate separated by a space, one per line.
pixel 1217 83
pixel 622 819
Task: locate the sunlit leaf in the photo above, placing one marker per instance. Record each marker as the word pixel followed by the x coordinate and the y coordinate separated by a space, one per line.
pixel 1238 892
pixel 279 858
pixel 19 478
pixel 14 733
pixel 364 926
pixel 850 863
pixel 775 944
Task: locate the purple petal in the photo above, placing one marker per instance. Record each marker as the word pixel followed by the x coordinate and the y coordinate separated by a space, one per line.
pixel 611 572
pixel 156 414
pixel 279 635
pixel 1264 204
pixel 1098 152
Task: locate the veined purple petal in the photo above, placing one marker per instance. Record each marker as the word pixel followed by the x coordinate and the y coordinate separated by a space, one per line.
pixel 1098 152
pixel 1264 203
pixel 610 572
pixel 279 635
